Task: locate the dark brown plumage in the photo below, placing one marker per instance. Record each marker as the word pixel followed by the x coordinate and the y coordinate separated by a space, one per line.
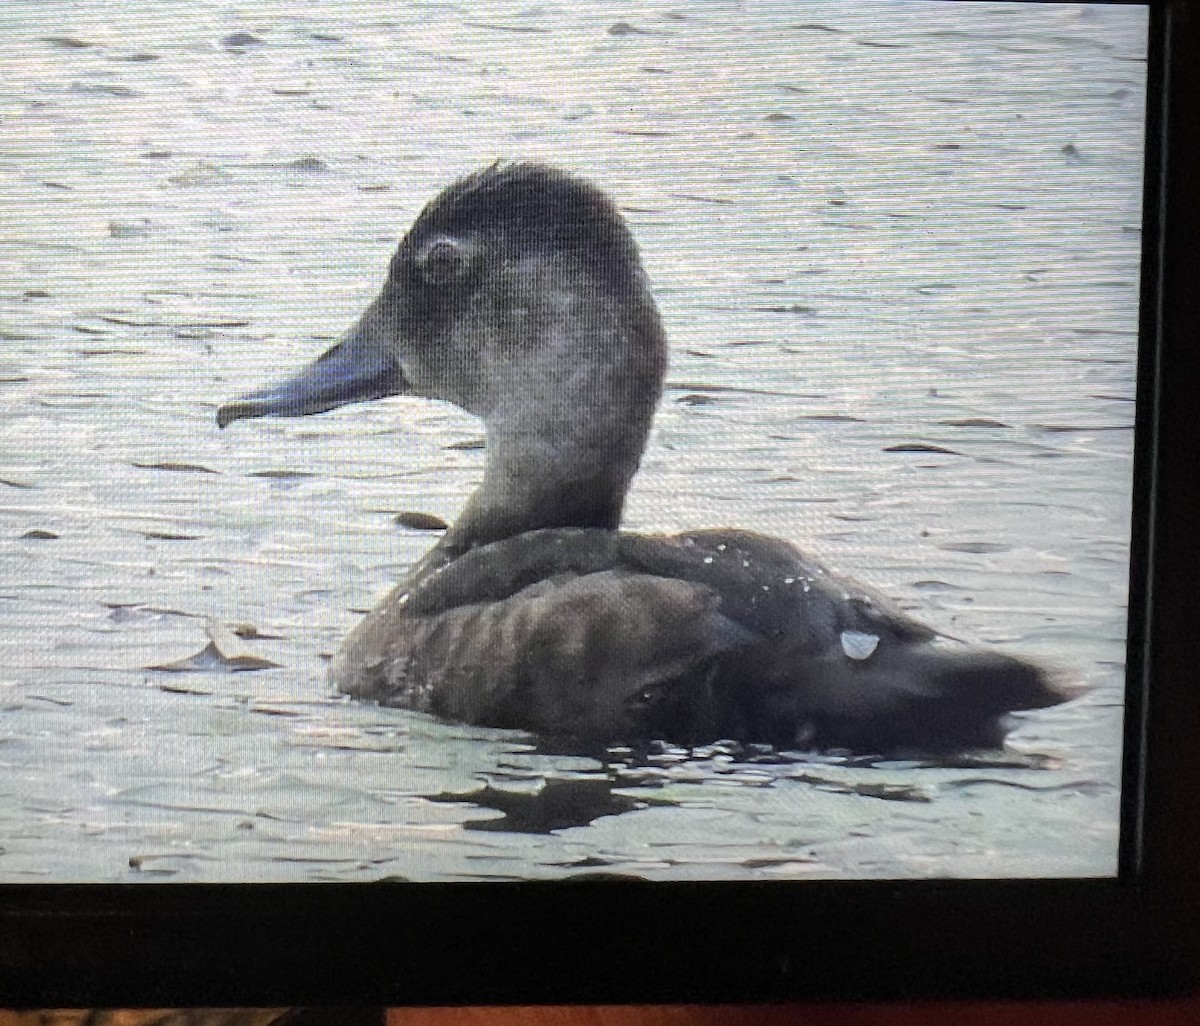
pixel 518 294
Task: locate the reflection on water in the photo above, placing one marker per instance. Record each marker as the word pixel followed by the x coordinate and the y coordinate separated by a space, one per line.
pixel 896 248
pixel 545 804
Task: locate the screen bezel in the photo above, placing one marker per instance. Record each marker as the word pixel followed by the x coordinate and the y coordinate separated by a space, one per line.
pixel 605 940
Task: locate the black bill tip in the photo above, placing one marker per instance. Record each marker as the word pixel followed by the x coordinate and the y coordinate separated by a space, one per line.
pixel 358 369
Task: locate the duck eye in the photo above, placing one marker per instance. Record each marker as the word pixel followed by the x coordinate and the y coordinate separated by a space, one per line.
pixel 442 262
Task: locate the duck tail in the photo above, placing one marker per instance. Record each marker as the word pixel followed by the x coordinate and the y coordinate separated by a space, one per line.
pixel 926 697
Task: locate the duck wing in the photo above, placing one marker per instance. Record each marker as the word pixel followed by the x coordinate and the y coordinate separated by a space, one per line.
pixel 772 587
pixel 606 636
pixel 550 631
pixel 837 663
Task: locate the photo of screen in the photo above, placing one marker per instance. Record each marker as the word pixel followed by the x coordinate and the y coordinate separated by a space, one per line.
pixel 519 441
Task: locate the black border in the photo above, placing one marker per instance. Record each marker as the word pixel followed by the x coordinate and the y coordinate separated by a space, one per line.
pixel 595 941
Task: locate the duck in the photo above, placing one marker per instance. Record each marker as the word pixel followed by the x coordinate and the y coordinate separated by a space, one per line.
pixel 519 295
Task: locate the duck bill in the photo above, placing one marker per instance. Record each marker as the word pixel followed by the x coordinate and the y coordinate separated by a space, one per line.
pixel 359 368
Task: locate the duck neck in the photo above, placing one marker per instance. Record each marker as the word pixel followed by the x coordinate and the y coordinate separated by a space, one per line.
pixel 564 446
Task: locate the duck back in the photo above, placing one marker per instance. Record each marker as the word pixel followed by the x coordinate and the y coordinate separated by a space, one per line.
pixel 611 637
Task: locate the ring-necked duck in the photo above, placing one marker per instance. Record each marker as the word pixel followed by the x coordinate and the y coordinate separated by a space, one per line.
pixel 518 294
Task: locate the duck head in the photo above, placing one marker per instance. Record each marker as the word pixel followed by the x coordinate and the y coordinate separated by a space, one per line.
pixel 518 295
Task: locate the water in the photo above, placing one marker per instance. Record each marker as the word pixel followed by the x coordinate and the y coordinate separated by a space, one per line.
pixel 896 248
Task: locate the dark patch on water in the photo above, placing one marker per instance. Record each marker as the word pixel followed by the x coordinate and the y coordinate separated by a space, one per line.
pixel 281 475
pixel 889 792
pixel 104 89
pixel 1072 428
pixel 1084 787
pixel 240 40
pixel 623 28
pixel 495 27
pixel 694 198
pixel 930 585
pixel 921 447
pixel 169 536
pixel 417 521
pixel 67 42
pixel 557 804
pixel 786 308
pixel 975 547
pixel 175 467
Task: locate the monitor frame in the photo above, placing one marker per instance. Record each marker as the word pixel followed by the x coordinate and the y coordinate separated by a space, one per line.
pixel 591 940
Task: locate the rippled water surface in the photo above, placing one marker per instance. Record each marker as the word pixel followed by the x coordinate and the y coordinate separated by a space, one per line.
pixel 896 247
